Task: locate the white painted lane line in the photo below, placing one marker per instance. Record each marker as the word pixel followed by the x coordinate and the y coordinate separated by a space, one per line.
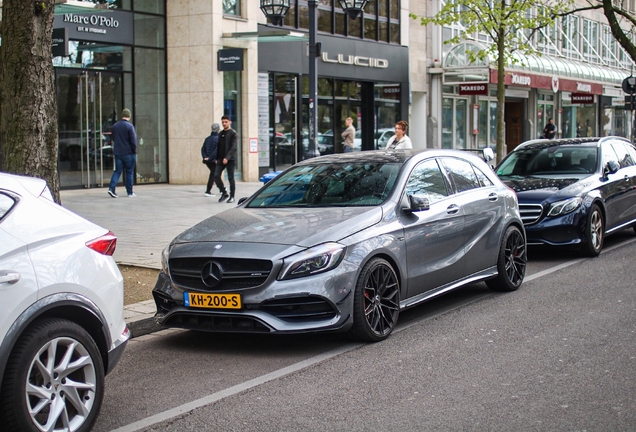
pixel 214 397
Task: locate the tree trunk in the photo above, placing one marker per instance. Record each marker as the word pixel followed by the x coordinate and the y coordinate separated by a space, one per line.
pixel 28 106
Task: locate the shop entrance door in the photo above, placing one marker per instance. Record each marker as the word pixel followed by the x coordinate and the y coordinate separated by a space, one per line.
pixel 88 105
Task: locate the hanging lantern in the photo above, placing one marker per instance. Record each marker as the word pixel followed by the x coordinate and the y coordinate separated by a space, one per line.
pixel 353 8
pixel 275 10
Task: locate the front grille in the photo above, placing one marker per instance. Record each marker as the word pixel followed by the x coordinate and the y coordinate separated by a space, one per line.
pixel 530 213
pixel 213 323
pixel 295 309
pixel 238 273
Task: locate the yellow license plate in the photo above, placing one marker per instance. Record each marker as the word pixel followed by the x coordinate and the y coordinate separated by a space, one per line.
pixel 212 301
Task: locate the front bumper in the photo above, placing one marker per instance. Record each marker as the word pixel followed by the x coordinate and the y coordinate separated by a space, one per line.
pixel 566 230
pixel 317 303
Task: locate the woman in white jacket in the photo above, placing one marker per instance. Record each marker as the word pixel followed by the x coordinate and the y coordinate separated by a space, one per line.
pixel 400 141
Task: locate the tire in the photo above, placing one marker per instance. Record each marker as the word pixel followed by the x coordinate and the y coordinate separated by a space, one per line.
pixel 376 304
pixel 34 397
pixel 511 261
pixel 594 232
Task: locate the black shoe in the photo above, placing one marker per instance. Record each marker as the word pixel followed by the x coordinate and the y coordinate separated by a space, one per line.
pixel 231 200
pixel 111 193
pixel 224 196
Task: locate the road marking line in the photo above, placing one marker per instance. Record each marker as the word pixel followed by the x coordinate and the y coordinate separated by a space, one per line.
pixel 231 391
pixel 214 397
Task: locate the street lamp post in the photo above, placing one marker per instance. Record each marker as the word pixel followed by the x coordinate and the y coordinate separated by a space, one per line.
pixel 275 10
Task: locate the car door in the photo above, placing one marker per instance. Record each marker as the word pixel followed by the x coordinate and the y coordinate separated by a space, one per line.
pixel 627 161
pixel 483 209
pixel 433 237
pixel 615 188
pixel 18 285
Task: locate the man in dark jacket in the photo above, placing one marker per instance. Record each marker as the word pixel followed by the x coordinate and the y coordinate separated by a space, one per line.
pixel 226 158
pixel 125 152
pixel 208 152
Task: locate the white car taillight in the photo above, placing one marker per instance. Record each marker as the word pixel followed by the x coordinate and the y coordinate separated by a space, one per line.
pixel 104 245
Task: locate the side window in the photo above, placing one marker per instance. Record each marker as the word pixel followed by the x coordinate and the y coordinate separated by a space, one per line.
pixel 427 179
pixel 462 174
pixel 6 204
pixel 624 157
pixel 608 154
pixel 483 178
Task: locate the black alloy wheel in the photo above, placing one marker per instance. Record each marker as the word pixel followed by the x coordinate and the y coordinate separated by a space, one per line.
pixel 594 233
pixel 511 262
pixel 376 305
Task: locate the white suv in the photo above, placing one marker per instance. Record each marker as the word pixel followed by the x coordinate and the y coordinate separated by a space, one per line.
pixel 62 327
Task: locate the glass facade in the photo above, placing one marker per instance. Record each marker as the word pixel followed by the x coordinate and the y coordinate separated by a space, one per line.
pixel 97 80
pixel 379 22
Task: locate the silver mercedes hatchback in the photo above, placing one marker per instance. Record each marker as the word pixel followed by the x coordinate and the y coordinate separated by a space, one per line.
pixel 344 243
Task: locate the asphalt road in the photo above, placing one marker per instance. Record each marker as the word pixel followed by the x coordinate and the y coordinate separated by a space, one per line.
pixel 558 354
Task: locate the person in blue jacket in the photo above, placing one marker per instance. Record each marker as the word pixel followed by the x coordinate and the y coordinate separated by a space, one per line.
pixel 208 152
pixel 125 152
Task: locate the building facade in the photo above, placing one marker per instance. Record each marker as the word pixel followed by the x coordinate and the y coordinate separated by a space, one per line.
pixel 179 65
pixel 575 80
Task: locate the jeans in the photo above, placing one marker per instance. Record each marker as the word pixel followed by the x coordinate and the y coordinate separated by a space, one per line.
pixel 347 149
pixel 124 162
pixel 212 167
pixel 230 176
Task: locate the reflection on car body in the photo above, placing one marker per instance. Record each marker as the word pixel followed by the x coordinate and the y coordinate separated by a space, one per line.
pixel 573 192
pixel 343 243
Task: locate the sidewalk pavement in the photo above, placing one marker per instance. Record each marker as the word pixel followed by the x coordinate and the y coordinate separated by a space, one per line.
pixel 146 224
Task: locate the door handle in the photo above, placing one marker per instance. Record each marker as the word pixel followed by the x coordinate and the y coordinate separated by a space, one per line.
pixel 10 277
pixel 493 197
pixel 452 209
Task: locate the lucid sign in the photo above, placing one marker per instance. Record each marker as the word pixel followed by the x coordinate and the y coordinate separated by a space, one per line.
pixel 355 60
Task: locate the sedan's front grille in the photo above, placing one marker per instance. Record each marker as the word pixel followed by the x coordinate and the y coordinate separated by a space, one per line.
pixel 306 308
pixel 530 213
pixel 236 273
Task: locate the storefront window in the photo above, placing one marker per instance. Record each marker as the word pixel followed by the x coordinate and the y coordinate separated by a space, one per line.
pixel 232 91
pixel 149 115
pixel 461 123
pixel 545 112
pixel 447 123
pixel 150 6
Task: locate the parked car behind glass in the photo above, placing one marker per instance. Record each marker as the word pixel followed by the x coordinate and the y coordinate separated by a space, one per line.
pixel 345 242
pixel 62 326
pixel 573 192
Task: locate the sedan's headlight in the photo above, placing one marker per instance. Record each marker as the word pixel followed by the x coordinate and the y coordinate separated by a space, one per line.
pixel 564 207
pixel 317 259
pixel 164 259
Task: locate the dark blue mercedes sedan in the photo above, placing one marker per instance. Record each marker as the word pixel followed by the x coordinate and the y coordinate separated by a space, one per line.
pixel 573 192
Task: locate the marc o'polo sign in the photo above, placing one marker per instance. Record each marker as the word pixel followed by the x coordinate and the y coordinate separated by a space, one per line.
pixel 230 59
pixel 110 26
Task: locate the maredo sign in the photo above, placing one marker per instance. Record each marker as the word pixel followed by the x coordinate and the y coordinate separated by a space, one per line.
pixel 554 83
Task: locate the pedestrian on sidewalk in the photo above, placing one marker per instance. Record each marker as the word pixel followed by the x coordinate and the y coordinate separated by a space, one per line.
pixel 226 158
pixel 208 152
pixel 125 152
pixel 348 135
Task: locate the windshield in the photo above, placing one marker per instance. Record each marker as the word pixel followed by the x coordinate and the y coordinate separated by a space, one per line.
pixel 329 185
pixel 550 160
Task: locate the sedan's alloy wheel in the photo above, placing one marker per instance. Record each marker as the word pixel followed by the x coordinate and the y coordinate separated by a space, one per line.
pixel 377 301
pixel 595 232
pixel 511 262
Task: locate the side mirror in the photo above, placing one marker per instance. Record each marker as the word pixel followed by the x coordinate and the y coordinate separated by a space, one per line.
pixel 611 167
pixel 487 154
pixel 417 203
pixel 241 200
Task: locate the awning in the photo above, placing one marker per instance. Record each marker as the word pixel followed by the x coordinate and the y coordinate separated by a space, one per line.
pixel 269 34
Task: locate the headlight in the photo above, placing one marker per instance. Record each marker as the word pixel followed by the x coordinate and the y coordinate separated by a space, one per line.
pixel 318 259
pixel 564 207
pixel 164 260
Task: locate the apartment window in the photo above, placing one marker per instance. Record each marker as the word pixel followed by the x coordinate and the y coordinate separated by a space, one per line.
pixel 570 40
pixel 591 37
pixel 232 7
